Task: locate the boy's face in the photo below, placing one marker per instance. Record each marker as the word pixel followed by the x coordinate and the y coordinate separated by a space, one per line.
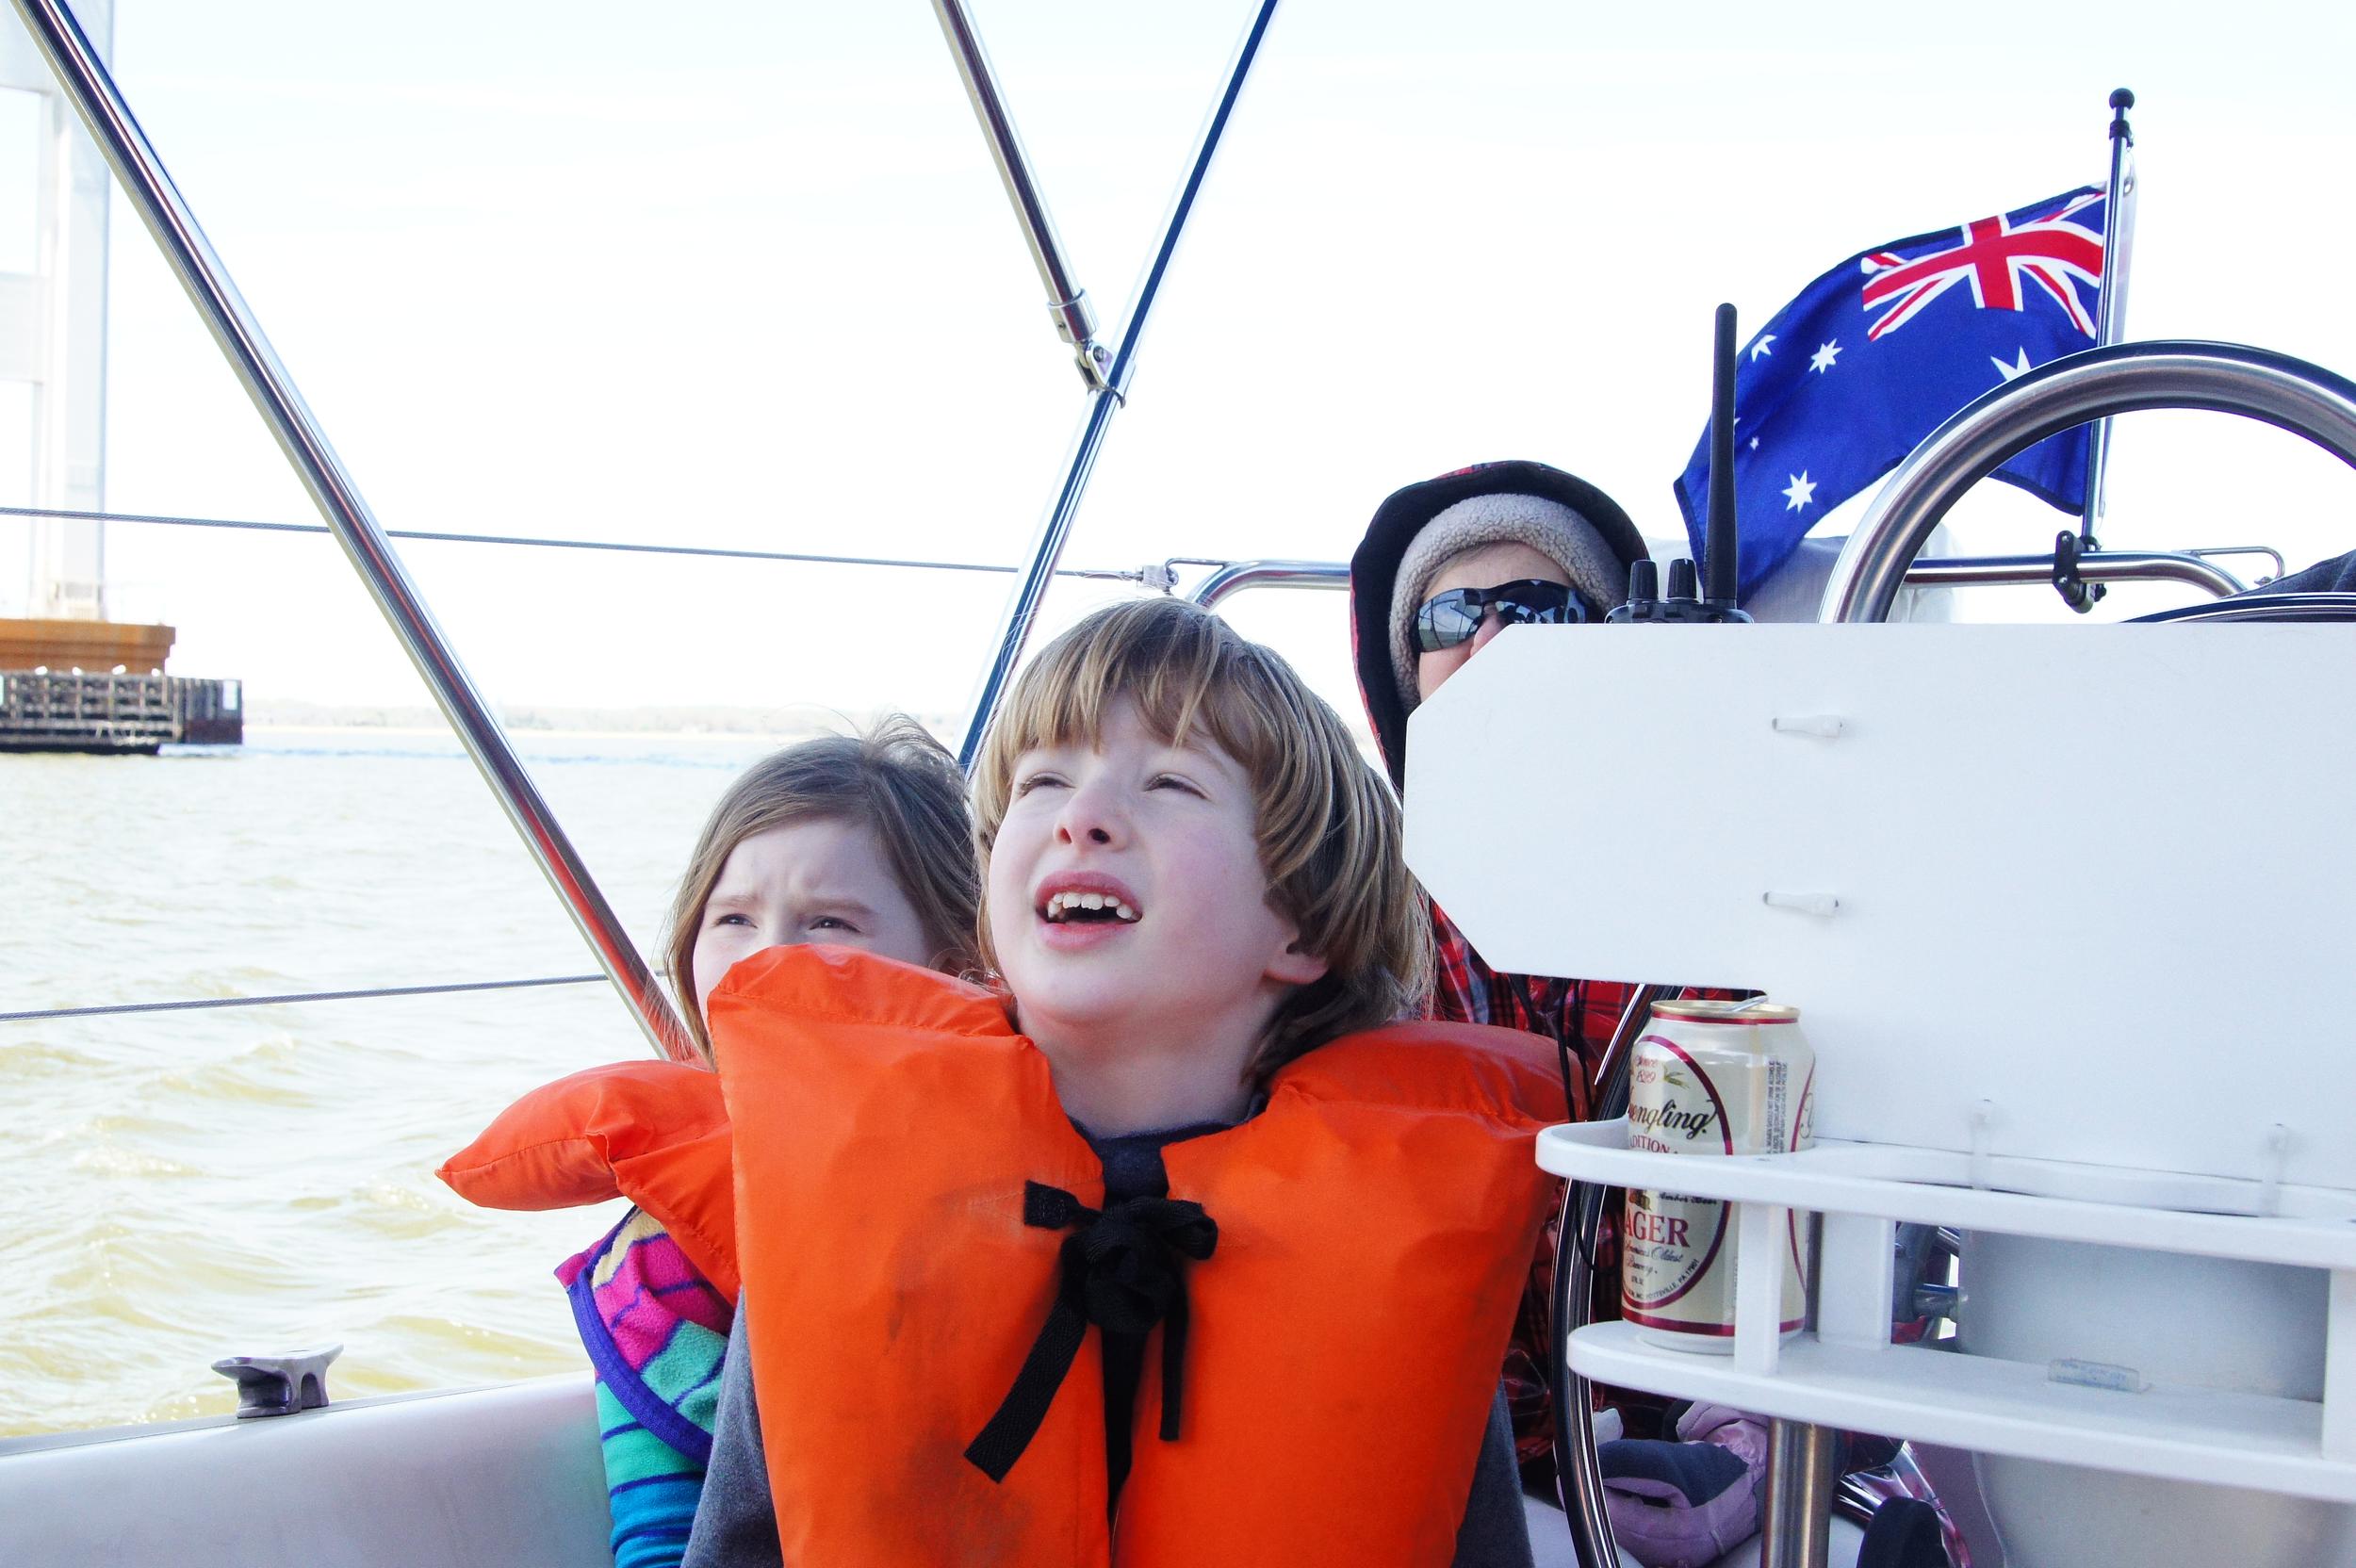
pixel 1481 566
pixel 1182 941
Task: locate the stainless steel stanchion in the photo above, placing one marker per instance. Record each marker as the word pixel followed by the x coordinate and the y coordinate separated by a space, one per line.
pixel 1796 1514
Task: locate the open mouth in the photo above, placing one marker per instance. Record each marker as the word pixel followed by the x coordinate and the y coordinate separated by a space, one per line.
pixel 1087 909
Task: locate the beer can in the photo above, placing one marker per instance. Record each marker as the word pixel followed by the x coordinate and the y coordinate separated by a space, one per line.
pixel 1710 1078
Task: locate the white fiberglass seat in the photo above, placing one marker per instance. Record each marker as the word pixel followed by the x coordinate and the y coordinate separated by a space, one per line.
pixel 506 1476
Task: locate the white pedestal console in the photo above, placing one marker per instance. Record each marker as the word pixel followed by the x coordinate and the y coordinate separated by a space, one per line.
pixel 2069 915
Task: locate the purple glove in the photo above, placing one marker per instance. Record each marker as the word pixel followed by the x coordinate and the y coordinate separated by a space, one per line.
pixel 1683 1505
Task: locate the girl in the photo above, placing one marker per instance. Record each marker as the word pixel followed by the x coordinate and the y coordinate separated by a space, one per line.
pixel 859 841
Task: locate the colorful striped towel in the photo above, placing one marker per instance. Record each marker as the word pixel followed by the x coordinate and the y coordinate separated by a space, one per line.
pixel 656 1330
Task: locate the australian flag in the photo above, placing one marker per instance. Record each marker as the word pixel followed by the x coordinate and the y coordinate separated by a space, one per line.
pixel 1877 353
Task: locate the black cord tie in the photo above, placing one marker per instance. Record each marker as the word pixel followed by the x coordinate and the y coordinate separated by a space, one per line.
pixel 1121 1272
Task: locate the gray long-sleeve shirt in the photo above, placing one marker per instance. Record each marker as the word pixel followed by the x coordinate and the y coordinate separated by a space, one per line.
pixel 737 1527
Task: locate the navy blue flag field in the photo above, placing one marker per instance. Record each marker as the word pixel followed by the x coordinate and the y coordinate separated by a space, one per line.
pixel 1877 353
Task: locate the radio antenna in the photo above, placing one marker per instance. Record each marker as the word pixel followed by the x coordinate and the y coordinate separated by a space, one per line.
pixel 1718 573
pixel 1710 602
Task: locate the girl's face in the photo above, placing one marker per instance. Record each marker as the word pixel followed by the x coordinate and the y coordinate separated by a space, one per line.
pixel 821 880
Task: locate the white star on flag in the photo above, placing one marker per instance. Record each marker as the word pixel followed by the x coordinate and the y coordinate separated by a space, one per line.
pixel 1825 356
pixel 1800 493
pixel 1754 443
pixel 1760 350
pixel 2017 368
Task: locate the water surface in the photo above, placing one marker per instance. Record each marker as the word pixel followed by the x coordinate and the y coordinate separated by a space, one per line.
pixel 179 1186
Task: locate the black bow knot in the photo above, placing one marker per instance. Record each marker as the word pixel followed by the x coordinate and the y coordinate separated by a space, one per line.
pixel 1120 1271
pixel 1125 1260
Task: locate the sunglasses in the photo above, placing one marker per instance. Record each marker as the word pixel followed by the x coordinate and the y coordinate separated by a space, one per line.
pixel 1447 619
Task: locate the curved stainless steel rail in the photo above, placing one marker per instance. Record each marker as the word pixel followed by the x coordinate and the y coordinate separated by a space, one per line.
pixel 2125 378
pixel 1235 576
pixel 149 188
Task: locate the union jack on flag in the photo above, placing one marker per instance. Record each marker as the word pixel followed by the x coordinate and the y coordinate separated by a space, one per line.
pixel 1875 355
pixel 1996 256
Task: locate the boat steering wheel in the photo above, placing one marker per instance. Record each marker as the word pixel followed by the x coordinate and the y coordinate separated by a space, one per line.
pixel 2124 378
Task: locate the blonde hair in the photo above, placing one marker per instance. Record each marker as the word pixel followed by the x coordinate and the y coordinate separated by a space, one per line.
pixel 895 780
pixel 1326 825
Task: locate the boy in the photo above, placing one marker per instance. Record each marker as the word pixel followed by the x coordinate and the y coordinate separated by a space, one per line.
pixel 1180 1251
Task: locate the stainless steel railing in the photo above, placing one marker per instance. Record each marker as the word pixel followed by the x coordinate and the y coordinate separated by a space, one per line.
pixel 1233 577
pixel 2190 567
pixel 2185 566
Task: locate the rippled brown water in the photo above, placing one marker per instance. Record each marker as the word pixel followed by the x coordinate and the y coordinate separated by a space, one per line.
pixel 178 1187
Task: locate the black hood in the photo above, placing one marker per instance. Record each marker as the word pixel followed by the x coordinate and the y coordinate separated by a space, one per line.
pixel 1374 571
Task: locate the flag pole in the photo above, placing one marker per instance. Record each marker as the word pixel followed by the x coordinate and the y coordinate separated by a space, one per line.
pixel 2110 308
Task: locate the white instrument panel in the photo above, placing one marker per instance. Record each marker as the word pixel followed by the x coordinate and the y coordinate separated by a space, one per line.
pixel 2071 892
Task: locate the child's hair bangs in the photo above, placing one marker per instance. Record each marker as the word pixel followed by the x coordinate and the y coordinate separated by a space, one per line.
pixel 1163 656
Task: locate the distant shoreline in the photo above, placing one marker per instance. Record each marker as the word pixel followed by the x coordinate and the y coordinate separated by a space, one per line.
pixel 444 732
pixel 779 724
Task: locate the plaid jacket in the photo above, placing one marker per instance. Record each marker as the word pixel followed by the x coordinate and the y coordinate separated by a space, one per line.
pixel 1579 1017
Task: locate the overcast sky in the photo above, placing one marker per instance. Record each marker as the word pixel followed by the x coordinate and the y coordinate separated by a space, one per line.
pixel 747 278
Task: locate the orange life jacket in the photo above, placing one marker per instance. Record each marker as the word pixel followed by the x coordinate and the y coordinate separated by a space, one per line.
pixel 656 1133
pixel 1374 1221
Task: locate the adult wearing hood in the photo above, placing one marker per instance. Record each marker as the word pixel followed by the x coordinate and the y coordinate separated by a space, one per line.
pixel 1445 563
pixel 1517 518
